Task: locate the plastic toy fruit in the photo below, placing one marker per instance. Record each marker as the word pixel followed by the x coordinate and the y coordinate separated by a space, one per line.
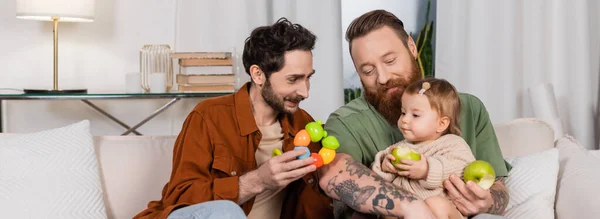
pixel 318 160
pixel 276 152
pixel 331 143
pixel 402 153
pixel 315 130
pixel 480 172
pixel 327 155
pixel 306 154
pixel 302 138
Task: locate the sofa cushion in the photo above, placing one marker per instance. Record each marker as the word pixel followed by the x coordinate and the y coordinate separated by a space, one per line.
pixel 50 174
pixel 578 192
pixel 134 170
pixel 531 184
pixel 524 136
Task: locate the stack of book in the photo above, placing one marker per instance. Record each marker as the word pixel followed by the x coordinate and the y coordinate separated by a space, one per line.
pixel 205 72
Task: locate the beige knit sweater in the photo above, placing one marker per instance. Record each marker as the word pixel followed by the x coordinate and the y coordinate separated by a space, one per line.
pixel 449 154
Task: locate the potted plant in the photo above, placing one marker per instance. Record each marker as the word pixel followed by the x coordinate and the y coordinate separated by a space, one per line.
pixel 425 46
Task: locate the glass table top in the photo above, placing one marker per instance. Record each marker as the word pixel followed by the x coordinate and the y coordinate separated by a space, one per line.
pixel 109 95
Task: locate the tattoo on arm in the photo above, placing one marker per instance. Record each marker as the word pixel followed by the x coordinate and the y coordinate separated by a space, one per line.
pixel 350 193
pixel 370 193
pixel 355 168
pixel 500 197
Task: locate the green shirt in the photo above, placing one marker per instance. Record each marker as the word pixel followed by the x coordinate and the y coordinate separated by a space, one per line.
pixel 362 132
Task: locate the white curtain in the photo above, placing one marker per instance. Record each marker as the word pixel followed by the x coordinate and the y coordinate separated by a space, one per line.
pixel 208 25
pixel 498 49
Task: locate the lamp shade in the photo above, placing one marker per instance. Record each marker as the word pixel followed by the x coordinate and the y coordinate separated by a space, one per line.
pixel 64 10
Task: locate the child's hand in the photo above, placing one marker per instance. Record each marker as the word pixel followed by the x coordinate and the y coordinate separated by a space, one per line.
pixel 387 166
pixel 413 169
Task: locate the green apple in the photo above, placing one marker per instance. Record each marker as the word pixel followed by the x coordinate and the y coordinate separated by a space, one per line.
pixel 402 153
pixel 480 172
pixel 315 130
pixel 330 142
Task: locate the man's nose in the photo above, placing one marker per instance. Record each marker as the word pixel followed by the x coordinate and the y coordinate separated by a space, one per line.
pixel 383 76
pixel 303 90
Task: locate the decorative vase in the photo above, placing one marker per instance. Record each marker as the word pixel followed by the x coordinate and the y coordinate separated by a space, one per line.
pixel 156 59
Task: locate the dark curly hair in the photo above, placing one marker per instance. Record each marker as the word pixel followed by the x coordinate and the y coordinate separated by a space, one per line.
pixel 267 45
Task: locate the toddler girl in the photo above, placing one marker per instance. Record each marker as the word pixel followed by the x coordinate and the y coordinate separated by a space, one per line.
pixel 429 123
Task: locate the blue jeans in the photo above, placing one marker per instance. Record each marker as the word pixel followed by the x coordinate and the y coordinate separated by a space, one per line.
pixel 209 210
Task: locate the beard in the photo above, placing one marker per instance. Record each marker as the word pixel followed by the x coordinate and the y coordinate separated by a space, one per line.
pixel 277 102
pixel 389 105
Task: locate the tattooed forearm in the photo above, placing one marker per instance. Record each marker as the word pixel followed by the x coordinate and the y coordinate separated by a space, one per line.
pixel 500 195
pixel 350 193
pixel 396 193
pixel 356 197
pixel 355 168
pixel 362 190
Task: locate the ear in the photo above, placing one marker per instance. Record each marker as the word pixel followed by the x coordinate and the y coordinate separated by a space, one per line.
pixel 443 124
pixel 257 75
pixel 412 47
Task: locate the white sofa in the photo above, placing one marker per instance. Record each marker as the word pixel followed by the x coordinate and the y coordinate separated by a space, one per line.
pixel 133 170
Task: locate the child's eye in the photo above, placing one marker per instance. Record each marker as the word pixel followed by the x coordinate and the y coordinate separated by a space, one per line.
pixel 402 113
pixel 416 116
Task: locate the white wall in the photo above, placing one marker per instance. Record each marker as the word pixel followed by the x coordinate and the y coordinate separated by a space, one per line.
pixel 230 31
pixel 498 50
pixel 91 55
pixel 97 56
pixel 411 12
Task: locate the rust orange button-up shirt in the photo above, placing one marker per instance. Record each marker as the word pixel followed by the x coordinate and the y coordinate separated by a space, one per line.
pixel 216 145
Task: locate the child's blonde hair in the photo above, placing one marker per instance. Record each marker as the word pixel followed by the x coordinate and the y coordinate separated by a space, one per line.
pixel 443 97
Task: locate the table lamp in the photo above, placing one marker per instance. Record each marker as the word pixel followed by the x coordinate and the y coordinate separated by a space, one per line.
pixel 55 11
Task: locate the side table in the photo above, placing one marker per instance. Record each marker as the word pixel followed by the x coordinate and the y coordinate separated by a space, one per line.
pixel 86 97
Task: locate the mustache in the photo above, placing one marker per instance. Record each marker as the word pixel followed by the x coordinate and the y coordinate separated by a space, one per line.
pixel 402 83
pixel 294 99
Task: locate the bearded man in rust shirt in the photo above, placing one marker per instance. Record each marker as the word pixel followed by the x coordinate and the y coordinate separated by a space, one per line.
pixel 223 151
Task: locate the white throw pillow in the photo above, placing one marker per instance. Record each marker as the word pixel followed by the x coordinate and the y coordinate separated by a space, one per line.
pixel 578 189
pixel 595 153
pixel 51 174
pixel 532 185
